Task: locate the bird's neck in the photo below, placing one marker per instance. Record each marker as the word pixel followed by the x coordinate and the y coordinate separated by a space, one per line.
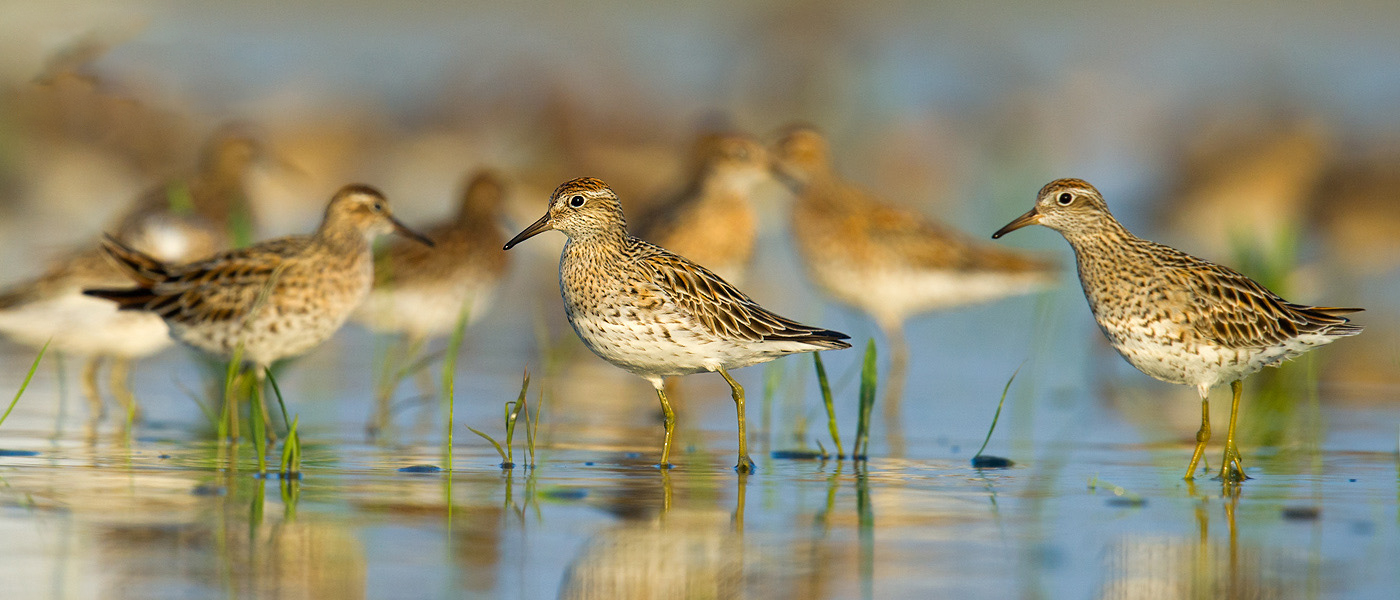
pixel 608 242
pixel 1098 234
pixel 344 241
pixel 471 215
pixel 218 193
pixel 590 262
pixel 1108 257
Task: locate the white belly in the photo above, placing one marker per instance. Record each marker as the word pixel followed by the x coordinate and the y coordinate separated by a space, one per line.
pixel 423 313
pixel 84 325
pixel 1160 350
pixel 892 295
pixel 650 343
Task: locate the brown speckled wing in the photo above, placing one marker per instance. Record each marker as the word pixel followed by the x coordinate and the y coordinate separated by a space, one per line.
pixel 225 286
pixel 220 288
pixel 720 307
pixel 1236 312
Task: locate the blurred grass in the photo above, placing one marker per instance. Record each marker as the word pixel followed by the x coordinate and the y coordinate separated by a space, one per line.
pixel 25 385
pixel 449 382
pixel 228 419
pixel 1276 397
pixel 868 379
pixel 830 409
pixel 259 426
pixel 290 467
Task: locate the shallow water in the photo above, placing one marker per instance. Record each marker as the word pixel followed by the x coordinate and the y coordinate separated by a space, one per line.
pixel 1001 99
pixel 1094 506
pixel 1088 510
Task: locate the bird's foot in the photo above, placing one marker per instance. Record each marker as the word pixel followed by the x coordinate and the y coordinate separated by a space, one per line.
pixel 1232 466
pixel 746 464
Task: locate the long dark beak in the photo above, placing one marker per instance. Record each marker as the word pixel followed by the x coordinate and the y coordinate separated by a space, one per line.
pixel 536 228
pixel 403 230
pixel 1032 217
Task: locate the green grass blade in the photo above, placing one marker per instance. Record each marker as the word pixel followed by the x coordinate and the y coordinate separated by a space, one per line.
pixel 512 413
pixel 997 415
pixel 255 414
pixel 228 417
pixel 488 438
pixel 830 407
pixel 277 390
pixel 23 386
pixel 290 466
pixel 451 414
pixel 449 376
pixel 868 379
pixel 532 425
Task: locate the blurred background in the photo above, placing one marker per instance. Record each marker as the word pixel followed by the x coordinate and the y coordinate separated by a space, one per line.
pixel 1264 135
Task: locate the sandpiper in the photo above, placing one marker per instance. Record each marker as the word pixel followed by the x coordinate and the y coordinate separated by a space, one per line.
pixel 888 261
pixel 421 292
pixel 1176 317
pixel 654 313
pixel 712 220
pixel 180 220
pixel 275 299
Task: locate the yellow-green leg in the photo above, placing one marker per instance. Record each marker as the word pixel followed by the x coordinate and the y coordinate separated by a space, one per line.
pixel 669 417
pixel 1202 436
pixel 745 464
pixel 90 389
pixel 893 398
pixel 120 379
pixel 1231 467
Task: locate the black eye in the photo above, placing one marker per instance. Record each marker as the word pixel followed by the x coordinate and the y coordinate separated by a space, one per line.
pixel 1065 199
pixel 378 206
pixel 576 201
